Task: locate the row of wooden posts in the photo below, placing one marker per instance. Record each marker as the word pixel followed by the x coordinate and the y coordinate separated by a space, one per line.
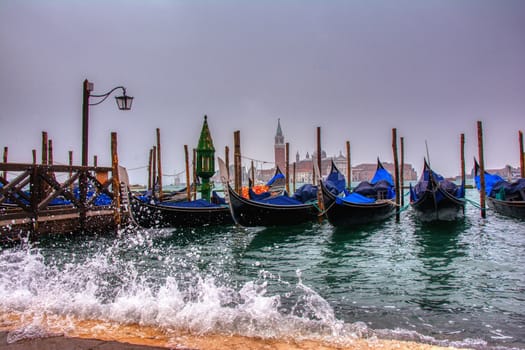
pixel 155 164
pixel 155 169
pixel 47 153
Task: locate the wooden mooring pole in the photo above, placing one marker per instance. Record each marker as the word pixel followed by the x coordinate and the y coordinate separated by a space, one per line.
pixel 44 148
pixel 187 162
pixel 462 150
pixel 159 164
pixel 348 166
pixel 6 149
pixel 294 180
pixel 319 165
pixel 396 171
pixel 50 157
pixel 287 154
pixel 402 172
pixel 227 161
pixel 50 152
pixel 149 169
pixel 482 193
pixel 33 152
pixel 70 171
pixel 320 202
pixel 45 154
pixel 194 169
pixel 116 180
pixel 237 160
pixel 154 172
pixel 522 156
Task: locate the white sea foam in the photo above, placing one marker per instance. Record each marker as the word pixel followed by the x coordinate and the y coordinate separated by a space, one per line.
pixel 108 287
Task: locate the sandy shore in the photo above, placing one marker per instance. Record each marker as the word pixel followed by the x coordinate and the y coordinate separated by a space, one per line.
pixel 212 343
pixel 55 343
pixel 56 332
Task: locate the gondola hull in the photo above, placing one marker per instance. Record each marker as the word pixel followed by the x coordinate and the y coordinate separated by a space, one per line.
pixel 515 209
pixel 438 206
pixel 251 213
pixel 351 214
pixel 159 216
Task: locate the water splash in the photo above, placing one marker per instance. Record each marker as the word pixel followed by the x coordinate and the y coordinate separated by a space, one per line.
pixel 165 280
pixel 105 285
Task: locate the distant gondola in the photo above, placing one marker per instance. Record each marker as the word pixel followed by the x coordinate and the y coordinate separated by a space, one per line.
pixel 506 198
pixel 267 209
pixel 179 214
pixel 369 202
pixel 435 198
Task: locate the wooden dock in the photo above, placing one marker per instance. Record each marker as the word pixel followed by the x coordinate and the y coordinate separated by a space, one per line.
pixel 34 202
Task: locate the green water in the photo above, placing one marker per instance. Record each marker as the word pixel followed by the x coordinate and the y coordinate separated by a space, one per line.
pixel 460 283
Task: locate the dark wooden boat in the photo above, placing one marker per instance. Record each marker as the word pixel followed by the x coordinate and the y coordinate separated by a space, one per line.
pixel 247 212
pixel 268 209
pixel 434 198
pixel 343 209
pixel 514 209
pixel 504 197
pixel 176 214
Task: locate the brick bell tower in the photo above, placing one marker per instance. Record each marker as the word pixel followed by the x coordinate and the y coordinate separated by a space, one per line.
pixel 279 147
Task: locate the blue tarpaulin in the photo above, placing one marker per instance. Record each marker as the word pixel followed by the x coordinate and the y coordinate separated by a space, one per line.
pixel 382 175
pixel 420 188
pixel 280 200
pixel 355 198
pixel 335 182
pixel 306 193
pixel 490 181
pixel 369 189
pixel 275 178
pixel 509 188
pixel 497 187
pixel 56 201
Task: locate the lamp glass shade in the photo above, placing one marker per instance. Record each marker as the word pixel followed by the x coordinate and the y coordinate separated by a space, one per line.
pixel 124 102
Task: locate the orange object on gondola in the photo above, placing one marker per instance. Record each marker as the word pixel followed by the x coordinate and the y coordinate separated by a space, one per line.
pixel 258 189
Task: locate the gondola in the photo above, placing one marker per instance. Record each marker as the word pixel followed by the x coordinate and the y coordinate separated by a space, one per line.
pixel 504 197
pixel 268 209
pixel 369 202
pixel 179 214
pixel 277 211
pixel 434 198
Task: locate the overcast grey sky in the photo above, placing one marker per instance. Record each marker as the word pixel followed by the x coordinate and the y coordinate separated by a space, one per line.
pixel 355 68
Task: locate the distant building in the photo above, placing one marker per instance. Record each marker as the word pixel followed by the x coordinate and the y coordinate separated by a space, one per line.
pixel 364 172
pixel 304 167
pixel 507 173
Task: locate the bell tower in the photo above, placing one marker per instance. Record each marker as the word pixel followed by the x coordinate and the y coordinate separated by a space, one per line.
pixel 279 147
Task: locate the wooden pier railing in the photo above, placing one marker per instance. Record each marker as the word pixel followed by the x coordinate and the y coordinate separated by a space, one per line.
pixel 34 201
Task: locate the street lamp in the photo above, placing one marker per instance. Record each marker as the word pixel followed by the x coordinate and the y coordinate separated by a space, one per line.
pixel 123 102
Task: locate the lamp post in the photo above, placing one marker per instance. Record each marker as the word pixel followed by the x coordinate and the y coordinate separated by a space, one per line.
pixel 123 102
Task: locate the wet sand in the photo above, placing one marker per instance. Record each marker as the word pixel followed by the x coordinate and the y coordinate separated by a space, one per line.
pixel 62 342
pixel 55 332
pixel 55 343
